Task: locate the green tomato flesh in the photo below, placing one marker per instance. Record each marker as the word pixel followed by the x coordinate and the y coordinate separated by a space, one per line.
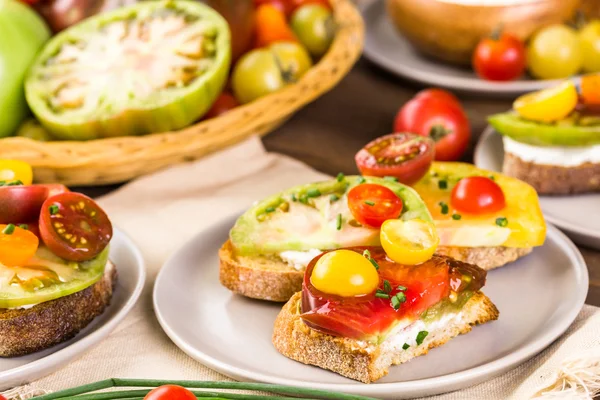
pixel 314 26
pixel 554 53
pixel 22 35
pixel 590 46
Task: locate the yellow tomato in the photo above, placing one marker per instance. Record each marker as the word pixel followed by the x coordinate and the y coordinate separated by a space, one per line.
pixel 344 273
pixel 409 242
pixel 548 105
pixel 17 245
pixel 14 170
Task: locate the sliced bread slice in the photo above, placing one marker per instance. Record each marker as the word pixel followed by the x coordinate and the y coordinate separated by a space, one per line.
pixel 363 361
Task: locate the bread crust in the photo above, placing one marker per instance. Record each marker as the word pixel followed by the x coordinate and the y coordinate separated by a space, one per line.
pixel 485 257
pixel 26 331
pixel 258 277
pixel 355 360
pixel 552 179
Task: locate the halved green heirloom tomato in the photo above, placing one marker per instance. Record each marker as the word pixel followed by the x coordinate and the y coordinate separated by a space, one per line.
pixel 151 67
pixel 74 227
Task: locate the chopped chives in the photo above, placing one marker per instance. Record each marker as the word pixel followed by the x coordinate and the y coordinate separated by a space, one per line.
pixel 53 209
pixel 270 209
pixel 443 184
pixel 401 297
pixel 369 203
pixel 444 207
pixel 401 288
pixel 374 263
pixel 360 180
pixel 386 286
pixel 390 178
pixel 314 192
pixel 338 222
pixel 24 226
pixel 340 177
pixel 334 197
pixel 294 198
pixel 492 177
pixel 501 222
pixel 421 336
pixel 456 217
pixel 382 295
pixel 367 254
pixel 15 183
pixel 395 303
pixel 9 230
pixel 405 346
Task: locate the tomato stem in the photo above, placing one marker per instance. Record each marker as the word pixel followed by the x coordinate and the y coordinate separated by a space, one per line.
pixel 497 32
pixel 438 132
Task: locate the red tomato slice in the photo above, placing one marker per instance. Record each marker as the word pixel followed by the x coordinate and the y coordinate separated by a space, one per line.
pixel 373 204
pixel 74 227
pixel 170 392
pixel 21 203
pixel 402 155
pixel 477 195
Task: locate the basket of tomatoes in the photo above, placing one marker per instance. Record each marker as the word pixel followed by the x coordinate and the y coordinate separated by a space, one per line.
pixel 116 89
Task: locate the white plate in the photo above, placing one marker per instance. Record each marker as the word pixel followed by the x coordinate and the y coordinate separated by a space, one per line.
pixel 232 334
pixel 576 215
pixel 386 47
pixel 132 275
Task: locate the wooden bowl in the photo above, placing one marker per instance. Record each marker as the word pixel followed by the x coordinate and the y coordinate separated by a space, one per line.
pixel 591 8
pixel 114 160
pixel 449 30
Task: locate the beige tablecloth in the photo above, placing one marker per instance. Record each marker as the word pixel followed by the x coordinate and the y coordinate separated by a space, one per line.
pixel 190 197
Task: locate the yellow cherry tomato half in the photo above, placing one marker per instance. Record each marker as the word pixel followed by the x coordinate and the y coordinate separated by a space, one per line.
pixel 409 242
pixel 14 170
pixel 17 245
pixel 344 273
pixel 548 105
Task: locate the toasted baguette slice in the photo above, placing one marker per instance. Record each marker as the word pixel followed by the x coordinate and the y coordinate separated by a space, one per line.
pixel 25 331
pixel 551 179
pixel 362 361
pixel 271 278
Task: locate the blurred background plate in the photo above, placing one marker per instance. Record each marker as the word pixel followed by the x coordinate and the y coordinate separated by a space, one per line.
pixel 577 215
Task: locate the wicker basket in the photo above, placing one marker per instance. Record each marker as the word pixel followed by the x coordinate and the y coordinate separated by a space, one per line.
pixel 114 160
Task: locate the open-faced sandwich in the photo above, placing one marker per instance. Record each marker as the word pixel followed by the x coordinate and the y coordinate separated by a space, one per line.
pixel 55 276
pixel 363 309
pixel 481 217
pixel 272 243
pixel 552 138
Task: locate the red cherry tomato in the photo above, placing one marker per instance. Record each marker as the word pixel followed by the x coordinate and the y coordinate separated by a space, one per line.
pixel 170 392
pixel 404 156
pixel 285 6
pixel 74 227
pixel 225 102
pixel 444 122
pixel 373 204
pixel 440 94
pixel 54 188
pixel 477 195
pixel 499 58
pixel 21 203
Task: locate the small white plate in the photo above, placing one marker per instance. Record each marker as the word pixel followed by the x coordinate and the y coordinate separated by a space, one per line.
pixel 577 215
pixel 386 47
pixel 232 334
pixel 132 275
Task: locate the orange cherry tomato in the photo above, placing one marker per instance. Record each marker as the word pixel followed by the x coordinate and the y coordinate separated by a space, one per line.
pixel 477 195
pixel 17 245
pixel 590 89
pixel 373 204
pixel 272 26
pixel 170 392
pixel 284 6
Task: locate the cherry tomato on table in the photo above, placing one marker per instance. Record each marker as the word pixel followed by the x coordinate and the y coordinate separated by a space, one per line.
pixel 500 57
pixel 404 156
pixel 74 227
pixel 170 392
pixel 21 203
pixel 477 195
pixel 373 204
pixel 224 103
pixel 16 245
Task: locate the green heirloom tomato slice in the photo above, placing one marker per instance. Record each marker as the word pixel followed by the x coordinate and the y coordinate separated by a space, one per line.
pixel 47 277
pixel 152 67
pixel 315 216
pixel 565 133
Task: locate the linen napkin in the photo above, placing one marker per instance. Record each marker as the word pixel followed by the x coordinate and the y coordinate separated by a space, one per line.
pixel 164 210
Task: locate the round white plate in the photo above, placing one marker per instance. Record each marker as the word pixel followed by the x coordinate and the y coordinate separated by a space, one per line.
pixel 577 215
pixel 232 334
pixel 132 274
pixel 386 47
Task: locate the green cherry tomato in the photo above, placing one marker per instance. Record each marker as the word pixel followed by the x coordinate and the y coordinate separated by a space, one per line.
pixel 590 46
pixel 314 26
pixel 554 52
pixel 22 35
pixel 33 130
pixel 266 70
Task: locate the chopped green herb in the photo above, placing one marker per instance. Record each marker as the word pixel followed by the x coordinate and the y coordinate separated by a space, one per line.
pixel 14 183
pixel 53 209
pixel 2 183
pixel 314 192
pixel 9 230
pixel 338 222
pixel 386 286
pixel 443 184
pixel 24 226
pixel 405 346
pixel 492 177
pixel 303 199
pixel 367 254
pixel 421 336
pixel 382 295
pixel 340 177
pixel 369 203
pixel 401 297
pixel 374 263
pixel 401 288
pixel 334 197
pixel 294 198
pixel 269 209
pixel 390 178
pixel 444 207
pixel 395 303
pixel 360 180
pixel 456 217
pixel 501 222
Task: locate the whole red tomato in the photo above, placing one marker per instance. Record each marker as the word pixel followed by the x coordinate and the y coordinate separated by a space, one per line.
pixel 499 58
pixel 445 122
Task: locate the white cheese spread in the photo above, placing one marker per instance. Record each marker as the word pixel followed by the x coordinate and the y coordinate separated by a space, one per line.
pixel 408 335
pixel 299 259
pixel 553 155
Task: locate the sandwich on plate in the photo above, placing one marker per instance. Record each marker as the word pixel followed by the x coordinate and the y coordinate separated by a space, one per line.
pixel 272 243
pixel 363 309
pixel 55 275
pixel 483 218
pixel 552 138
